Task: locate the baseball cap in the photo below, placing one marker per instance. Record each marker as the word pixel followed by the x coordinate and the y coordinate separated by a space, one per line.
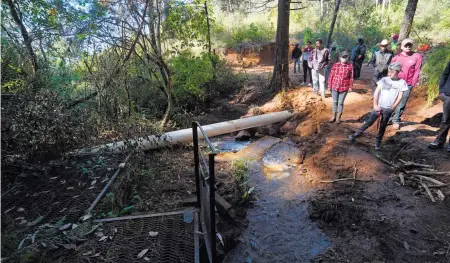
pixel 384 42
pixel 406 41
pixel 395 66
pixel 395 36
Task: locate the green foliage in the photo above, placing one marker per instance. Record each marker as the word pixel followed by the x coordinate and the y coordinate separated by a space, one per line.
pixel 433 68
pixel 257 32
pixel 239 169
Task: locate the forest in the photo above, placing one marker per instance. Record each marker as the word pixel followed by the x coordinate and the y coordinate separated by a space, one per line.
pixel 81 73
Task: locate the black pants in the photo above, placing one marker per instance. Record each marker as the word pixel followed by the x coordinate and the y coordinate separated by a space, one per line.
pixel 385 114
pixel 306 71
pixel 357 65
pixel 376 77
pixel 445 125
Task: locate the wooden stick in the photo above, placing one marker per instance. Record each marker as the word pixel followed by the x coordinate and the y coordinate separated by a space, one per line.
pixel 402 178
pixel 427 173
pixel 440 195
pixel 428 192
pixel 345 179
pixel 412 164
pixel 431 180
pixel 395 157
pixel 438 186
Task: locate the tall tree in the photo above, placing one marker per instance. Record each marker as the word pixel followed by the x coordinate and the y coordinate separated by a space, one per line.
pixel 406 26
pixel 280 76
pixel 333 21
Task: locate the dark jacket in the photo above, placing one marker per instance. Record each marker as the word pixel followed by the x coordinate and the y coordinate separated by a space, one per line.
pixel 360 50
pixel 296 52
pixel 444 83
pixel 381 60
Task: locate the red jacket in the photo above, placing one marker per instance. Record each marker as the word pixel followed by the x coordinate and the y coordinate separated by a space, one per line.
pixel 411 65
pixel 341 77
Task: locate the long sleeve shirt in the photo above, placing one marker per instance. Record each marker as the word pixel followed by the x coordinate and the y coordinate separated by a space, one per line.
pixel 341 77
pixel 444 83
pixel 307 52
pixel 319 58
pixel 411 65
pixel 296 53
pixel 381 60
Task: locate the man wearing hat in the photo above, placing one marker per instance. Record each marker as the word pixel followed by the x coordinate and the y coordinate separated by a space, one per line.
pixel 380 61
pixel 411 64
pixel 387 97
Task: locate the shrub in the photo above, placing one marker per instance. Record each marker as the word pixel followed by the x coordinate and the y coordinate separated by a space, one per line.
pixel 433 67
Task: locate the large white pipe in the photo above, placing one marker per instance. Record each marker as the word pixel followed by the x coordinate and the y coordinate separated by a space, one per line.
pixel 174 137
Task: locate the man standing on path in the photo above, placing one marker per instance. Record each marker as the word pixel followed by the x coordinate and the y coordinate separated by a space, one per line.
pixel 411 63
pixel 296 54
pixel 334 58
pixel 380 61
pixel 444 94
pixel 319 59
pixel 387 96
pixel 358 55
pixel 306 69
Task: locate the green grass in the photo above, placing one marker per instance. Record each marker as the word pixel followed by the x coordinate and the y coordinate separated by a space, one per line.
pixel 432 70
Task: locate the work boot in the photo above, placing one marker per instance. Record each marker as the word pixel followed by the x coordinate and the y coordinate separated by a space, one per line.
pixel 436 145
pixel 377 145
pixel 333 118
pixel 354 136
pixel 339 118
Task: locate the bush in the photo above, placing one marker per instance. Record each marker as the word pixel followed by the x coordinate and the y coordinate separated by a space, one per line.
pixel 433 68
pixel 253 32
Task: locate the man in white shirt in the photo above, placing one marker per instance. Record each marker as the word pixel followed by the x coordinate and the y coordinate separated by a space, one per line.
pixel 388 95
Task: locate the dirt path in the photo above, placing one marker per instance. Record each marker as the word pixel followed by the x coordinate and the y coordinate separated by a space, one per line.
pixel 299 219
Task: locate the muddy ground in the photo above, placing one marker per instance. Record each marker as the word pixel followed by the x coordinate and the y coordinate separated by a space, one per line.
pixel 293 216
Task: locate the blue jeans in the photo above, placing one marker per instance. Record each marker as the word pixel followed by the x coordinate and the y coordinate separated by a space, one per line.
pixel 338 100
pixel 385 114
pixel 401 106
pixel 296 64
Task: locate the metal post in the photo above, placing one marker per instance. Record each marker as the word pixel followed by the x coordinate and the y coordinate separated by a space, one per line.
pixel 196 160
pixel 212 205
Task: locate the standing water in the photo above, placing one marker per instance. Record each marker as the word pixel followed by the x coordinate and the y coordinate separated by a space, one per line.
pixel 279 229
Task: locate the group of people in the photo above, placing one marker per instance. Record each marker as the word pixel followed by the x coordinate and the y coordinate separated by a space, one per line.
pixel 394 77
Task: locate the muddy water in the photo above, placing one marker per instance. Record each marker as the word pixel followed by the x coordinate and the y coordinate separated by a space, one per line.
pixel 229 144
pixel 279 228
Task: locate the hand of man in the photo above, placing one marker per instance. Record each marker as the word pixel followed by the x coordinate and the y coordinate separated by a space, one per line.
pixel 360 56
pixel 377 108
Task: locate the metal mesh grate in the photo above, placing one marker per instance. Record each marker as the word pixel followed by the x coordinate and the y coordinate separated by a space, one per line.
pixel 174 242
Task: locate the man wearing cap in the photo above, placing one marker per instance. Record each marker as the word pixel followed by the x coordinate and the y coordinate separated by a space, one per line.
pixel 411 63
pixel 358 55
pixel 319 59
pixel 444 95
pixel 394 42
pixel 380 61
pixel 387 97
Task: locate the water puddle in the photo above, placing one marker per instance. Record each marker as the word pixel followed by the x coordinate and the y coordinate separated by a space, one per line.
pixel 279 228
pixel 229 144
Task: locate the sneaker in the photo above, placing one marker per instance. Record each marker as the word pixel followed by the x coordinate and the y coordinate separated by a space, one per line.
pixel 309 84
pixel 377 146
pixel 436 145
pixel 396 126
pixel 352 137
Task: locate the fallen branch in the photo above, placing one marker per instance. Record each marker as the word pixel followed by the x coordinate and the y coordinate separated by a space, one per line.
pixel 345 179
pixel 413 164
pixel 431 180
pixel 402 178
pixel 440 195
pixel 438 186
pixel 395 157
pixel 428 192
pixel 395 167
pixel 415 172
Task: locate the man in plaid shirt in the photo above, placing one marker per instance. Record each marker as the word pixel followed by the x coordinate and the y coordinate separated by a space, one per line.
pixel 340 83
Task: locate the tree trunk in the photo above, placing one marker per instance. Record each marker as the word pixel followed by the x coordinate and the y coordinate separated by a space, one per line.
pixel 23 31
pixel 410 11
pixel 280 76
pixel 333 21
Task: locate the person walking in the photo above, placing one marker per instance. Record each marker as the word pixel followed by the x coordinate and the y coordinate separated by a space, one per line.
pixel 411 64
pixel 380 61
pixel 319 59
pixel 306 69
pixel 444 95
pixel 296 54
pixel 358 55
pixel 334 58
pixel 340 83
pixel 387 97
